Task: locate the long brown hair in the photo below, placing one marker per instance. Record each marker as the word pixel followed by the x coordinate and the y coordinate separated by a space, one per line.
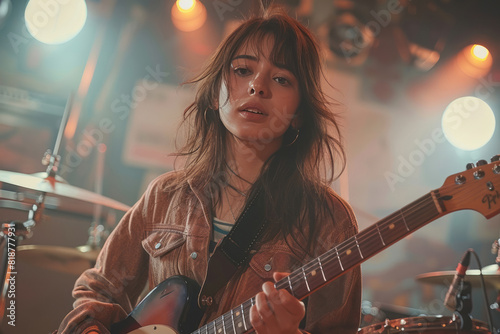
pixel 293 179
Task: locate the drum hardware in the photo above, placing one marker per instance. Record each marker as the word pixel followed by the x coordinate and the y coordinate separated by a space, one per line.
pixel 69 260
pixel 45 183
pixel 495 249
pixel 464 306
pixel 477 278
pixel 12 233
pixel 421 325
pixel 372 313
pixel 72 261
pixel 67 192
pixel 491 274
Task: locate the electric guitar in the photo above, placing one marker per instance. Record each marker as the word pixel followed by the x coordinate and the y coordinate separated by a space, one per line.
pixel 171 308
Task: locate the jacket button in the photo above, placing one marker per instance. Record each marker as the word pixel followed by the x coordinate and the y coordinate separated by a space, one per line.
pixel 158 245
pixel 194 255
pixel 267 267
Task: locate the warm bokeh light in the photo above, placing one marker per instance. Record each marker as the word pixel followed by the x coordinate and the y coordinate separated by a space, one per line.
pixel 479 52
pixel 55 22
pixel 468 123
pixel 475 61
pixel 186 5
pixel 189 19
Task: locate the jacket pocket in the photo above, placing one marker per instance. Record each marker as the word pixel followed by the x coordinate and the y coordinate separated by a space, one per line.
pixel 159 243
pixel 268 261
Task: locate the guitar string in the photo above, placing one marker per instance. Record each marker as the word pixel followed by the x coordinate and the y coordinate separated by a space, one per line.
pixel 330 256
pixel 349 245
pixel 426 199
pixel 325 262
pixel 367 233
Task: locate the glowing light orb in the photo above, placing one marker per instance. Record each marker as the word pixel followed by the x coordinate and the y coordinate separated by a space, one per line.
pixel 468 123
pixel 186 5
pixel 55 21
pixel 479 52
pixel 475 60
pixel 189 19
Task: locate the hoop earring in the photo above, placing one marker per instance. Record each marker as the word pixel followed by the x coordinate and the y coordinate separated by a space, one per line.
pixel 205 115
pixel 294 139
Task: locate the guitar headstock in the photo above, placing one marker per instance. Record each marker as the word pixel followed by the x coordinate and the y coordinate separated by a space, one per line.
pixel 477 188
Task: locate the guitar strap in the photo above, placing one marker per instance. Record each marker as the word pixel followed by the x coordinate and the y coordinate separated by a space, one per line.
pixel 233 252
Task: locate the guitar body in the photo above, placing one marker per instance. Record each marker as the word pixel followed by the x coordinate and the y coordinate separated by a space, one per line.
pixel 170 308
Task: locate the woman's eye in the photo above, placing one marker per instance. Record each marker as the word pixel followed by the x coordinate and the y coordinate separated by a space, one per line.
pixel 241 71
pixel 281 80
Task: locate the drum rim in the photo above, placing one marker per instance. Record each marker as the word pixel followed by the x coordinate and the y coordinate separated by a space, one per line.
pixel 422 323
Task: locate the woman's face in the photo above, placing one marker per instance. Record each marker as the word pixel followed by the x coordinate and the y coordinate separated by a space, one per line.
pixel 263 97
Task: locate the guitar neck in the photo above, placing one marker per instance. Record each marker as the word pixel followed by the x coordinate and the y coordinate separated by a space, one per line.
pixel 337 261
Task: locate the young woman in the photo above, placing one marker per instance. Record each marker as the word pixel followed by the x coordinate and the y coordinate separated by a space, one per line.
pixel 260 122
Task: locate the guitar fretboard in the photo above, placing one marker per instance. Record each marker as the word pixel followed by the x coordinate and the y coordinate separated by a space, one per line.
pixel 337 261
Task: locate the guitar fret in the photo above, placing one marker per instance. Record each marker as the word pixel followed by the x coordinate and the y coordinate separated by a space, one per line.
pixel 359 249
pixel 338 257
pixel 392 228
pixel 404 220
pixel 240 322
pixel 232 321
pixel 215 329
pixel 223 324
pixel 243 316
pixel 290 284
pixel 380 234
pixel 321 267
pixel 218 330
pixel 305 279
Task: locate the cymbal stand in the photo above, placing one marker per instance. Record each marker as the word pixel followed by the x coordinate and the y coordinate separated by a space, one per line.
pixel 52 158
pixel 12 233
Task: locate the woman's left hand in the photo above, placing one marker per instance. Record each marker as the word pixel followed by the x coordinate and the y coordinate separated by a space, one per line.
pixel 276 311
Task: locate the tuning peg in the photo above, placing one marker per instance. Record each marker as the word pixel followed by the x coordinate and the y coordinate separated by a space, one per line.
pixel 481 163
pixel 470 165
pixel 496 169
pixel 495 158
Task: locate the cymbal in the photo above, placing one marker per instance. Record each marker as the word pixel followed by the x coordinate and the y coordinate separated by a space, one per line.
pixel 52 186
pixel 68 260
pixel 491 276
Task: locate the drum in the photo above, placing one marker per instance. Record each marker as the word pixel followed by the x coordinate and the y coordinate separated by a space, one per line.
pixel 427 325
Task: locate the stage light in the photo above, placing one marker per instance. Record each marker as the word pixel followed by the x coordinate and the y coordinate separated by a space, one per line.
pixel 349 39
pixel 55 22
pixel 188 15
pixel 186 5
pixel 479 52
pixel 475 61
pixel 468 123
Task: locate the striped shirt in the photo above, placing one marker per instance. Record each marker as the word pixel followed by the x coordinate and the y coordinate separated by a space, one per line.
pixel 221 229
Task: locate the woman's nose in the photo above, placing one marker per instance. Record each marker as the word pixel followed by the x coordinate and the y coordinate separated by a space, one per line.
pixel 258 87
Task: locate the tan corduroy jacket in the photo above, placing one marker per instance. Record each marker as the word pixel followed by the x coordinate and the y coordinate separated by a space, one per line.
pixel 166 234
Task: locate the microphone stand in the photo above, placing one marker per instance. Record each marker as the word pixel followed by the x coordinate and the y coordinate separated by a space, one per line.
pixel 464 306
